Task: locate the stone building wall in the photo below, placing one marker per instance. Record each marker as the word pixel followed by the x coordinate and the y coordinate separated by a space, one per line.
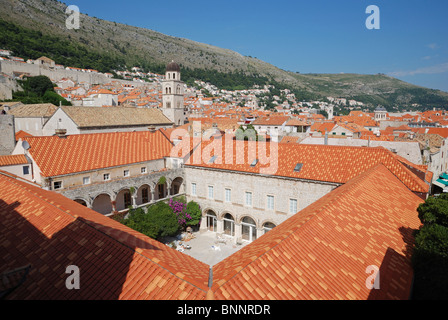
pixel 283 189
pixel 7 134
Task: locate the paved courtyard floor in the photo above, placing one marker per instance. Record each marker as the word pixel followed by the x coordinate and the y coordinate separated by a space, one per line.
pixel 207 249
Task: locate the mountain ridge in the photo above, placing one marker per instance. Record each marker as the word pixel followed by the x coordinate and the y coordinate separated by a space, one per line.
pixel 137 46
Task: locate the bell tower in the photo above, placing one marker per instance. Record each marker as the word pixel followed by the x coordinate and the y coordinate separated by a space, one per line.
pixel 173 95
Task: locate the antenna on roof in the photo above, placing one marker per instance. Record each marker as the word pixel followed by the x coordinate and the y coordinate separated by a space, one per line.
pixel 26 145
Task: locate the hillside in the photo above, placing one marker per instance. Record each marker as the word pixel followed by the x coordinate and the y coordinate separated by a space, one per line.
pixel 107 45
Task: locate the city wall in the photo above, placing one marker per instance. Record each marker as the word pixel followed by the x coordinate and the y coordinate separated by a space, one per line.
pixel 12 68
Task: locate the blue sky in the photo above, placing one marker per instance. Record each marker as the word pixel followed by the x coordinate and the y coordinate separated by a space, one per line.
pixel 308 36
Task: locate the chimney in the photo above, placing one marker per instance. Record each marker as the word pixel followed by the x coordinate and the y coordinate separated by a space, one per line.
pixel 152 129
pixel 61 133
pixel 326 137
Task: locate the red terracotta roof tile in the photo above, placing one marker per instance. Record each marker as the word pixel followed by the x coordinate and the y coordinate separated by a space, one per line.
pixel 369 216
pixel 336 164
pixel 57 156
pixel 13 160
pixel 128 264
pixel 22 134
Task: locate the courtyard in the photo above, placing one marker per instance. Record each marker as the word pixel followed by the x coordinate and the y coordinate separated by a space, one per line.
pixel 209 248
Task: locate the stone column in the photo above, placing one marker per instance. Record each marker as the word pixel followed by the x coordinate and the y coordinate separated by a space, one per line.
pixel 168 190
pixel 260 232
pixel 220 226
pixel 114 203
pixel 90 202
pixel 134 200
pixel 203 227
pixel 153 196
pixel 238 232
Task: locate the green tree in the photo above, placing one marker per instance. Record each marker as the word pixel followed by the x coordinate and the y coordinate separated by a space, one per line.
pixel 248 133
pixel 38 85
pixel 38 89
pixel 434 210
pixel 162 216
pixel 194 211
pixel 430 254
pixel 158 222
pixel 54 98
pixel 138 220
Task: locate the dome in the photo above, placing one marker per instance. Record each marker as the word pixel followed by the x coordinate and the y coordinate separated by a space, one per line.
pixel 173 66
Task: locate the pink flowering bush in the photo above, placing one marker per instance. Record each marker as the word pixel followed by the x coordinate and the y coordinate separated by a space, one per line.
pixel 187 215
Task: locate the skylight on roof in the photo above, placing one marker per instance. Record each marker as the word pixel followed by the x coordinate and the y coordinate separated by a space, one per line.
pixel 213 159
pixel 298 167
pixel 254 163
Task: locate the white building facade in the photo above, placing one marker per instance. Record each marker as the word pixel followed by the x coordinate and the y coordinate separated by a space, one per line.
pixel 245 206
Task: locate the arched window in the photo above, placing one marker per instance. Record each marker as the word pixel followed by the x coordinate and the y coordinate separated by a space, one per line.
pixel 268 226
pixel 212 221
pixel 249 229
pixel 145 195
pixel 174 76
pixel 229 225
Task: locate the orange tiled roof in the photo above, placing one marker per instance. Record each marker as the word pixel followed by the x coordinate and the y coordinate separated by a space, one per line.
pixel 57 156
pixel 290 139
pixel 51 232
pixel 336 164
pixel 372 217
pixel 271 121
pixel 297 122
pixel 12 160
pixel 443 132
pixel 371 220
pixel 322 127
pixel 22 134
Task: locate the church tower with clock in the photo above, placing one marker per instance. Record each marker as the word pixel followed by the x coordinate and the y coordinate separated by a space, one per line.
pixel 173 95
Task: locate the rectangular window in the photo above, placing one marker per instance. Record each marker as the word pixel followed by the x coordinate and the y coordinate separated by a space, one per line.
pixel 228 195
pixel 270 202
pixel 26 170
pixel 211 194
pixel 106 177
pixel 193 189
pixel 57 185
pixel 293 206
pixel 144 170
pixel 126 173
pixel 86 180
pixel 249 199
